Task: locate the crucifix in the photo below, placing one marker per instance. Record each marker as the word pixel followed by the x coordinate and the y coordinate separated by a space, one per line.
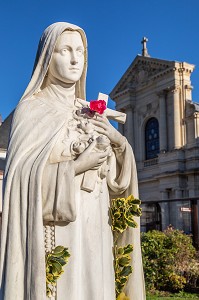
pixel 90 177
pixel 144 49
pixel 110 113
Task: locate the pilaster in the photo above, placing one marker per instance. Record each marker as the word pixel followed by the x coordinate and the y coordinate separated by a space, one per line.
pixel 177 136
pixel 163 122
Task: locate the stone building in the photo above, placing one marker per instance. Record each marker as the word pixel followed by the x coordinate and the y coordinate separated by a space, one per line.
pixel 163 128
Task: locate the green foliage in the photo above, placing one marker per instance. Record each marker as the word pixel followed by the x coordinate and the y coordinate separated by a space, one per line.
pixel 123 211
pixel 169 259
pixel 157 295
pixel 122 267
pixel 55 261
pixel 122 296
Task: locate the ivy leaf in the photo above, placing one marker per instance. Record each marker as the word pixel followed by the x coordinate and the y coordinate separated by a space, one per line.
pixel 55 261
pixel 130 198
pixel 58 249
pixel 128 249
pixel 132 223
pixel 56 268
pixel 126 271
pixel 124 260
pixel 48 292
pixel 122 212
pixel 120 251
pixel 122 296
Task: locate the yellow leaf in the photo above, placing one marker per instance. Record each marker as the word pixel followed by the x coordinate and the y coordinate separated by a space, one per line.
pixel 122 296
pixel 130 197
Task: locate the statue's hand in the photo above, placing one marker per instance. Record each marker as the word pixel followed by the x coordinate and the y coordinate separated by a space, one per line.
pixel 103 126
pixel 89 159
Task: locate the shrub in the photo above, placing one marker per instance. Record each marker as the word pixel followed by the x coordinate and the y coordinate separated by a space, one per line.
pixel 170 261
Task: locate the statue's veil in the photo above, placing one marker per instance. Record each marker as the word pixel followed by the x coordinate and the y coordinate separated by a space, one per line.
pixel 22 245
pixel 44 53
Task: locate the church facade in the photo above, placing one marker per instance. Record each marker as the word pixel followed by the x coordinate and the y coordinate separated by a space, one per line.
pixel 163 128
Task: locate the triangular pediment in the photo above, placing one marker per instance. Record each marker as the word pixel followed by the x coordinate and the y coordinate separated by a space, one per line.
pixel 141 71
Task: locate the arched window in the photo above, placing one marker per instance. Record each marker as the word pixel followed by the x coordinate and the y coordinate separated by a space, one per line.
pixel 152 147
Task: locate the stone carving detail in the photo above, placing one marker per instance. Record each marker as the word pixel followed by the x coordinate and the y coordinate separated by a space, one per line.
pixel 144 71
pixel 147 111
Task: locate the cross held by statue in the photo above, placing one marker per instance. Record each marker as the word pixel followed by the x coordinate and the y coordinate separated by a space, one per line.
pixel 111 114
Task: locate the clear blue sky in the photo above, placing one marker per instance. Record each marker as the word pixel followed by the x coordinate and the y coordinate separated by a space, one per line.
pixel 114 30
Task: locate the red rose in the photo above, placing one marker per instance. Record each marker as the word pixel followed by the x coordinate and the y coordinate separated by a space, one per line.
pixel 98 106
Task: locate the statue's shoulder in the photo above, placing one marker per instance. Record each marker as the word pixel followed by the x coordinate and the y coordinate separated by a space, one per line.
pixel 30 103
pixel 30 108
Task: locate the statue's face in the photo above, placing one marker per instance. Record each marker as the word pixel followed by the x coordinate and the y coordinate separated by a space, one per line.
pixel 67 61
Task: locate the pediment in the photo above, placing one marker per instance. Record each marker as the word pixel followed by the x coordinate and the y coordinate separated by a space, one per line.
pixel 141 71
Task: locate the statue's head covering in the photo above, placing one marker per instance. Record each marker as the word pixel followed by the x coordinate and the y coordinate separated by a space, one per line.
pixel 43 57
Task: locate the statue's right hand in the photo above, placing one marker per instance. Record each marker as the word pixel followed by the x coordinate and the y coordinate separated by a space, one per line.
pixel 89 159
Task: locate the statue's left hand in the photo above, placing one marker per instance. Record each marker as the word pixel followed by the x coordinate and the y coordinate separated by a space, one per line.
pixel 103 126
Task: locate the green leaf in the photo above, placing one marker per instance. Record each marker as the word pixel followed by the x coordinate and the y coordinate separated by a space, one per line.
pixel 128 249
pixel 130 198
pixel 54 266
pixel 49 278
pixel 48 292
pixel 126 271
pixel 132 223
pixel 57 266
pixel 122 296
pixel 120 250
pixel 124 260
pixel 58 249
pixel 122 212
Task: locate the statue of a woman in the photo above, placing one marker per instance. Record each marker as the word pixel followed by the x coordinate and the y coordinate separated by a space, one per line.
pixel 46 200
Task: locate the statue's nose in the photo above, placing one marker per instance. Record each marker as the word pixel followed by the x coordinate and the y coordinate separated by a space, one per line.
pixel 74 58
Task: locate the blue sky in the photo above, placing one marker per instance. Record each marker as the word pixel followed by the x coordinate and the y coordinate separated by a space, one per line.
pixel 114 30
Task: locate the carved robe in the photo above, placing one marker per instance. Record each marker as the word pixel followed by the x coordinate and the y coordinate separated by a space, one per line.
pixel 35 188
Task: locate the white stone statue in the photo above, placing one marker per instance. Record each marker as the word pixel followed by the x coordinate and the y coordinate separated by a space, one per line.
pixel 46 199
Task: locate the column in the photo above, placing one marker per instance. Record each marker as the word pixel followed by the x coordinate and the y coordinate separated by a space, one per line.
pixel 176 119
pixel 129 125
pixel 163 122
pixel 196 125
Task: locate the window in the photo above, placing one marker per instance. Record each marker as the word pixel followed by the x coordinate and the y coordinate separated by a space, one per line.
pixel 152 147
